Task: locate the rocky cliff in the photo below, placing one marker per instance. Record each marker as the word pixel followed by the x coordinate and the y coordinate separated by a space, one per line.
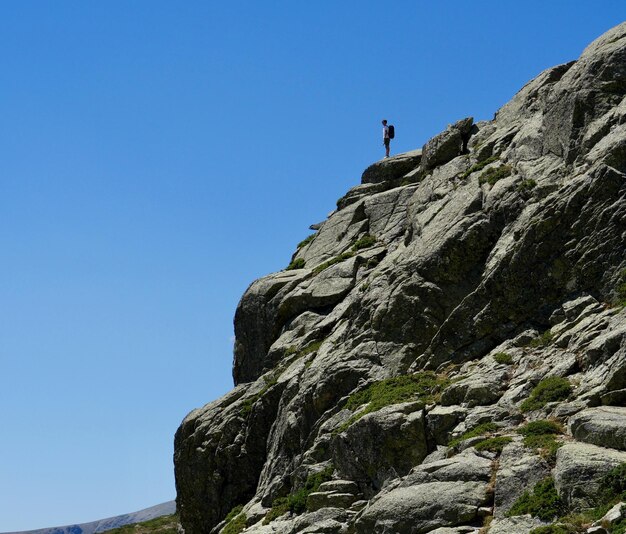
pixel 447 353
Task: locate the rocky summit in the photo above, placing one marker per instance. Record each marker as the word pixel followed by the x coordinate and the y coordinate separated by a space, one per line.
pixel 447 353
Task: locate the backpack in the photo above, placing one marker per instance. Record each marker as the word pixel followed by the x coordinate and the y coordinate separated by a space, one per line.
pixel 392 131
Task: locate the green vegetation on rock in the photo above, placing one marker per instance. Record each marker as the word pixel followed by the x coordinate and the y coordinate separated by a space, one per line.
pixel 526 185
pixel 236 521
pixel 247 405
pixel 543 340
pixel 540 435
pixel 612 490
pixel 551 389
pixel 493 444
pixel 425 386
pixel 272 378
pixel 234 513
pixel 543 502
pixel 552 529
pixel 295 502
pixel 306 241
pixel 298 263
pixel 337 259
pixel 613 485
pixel 493 174
pixel 167 524
pixel 479 166
pixel 483 428
pixel 365 242
pixel 503 358
pixel 540 428
pixel 311 347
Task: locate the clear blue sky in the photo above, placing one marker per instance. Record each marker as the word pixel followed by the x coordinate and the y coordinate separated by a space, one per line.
pixel 156 157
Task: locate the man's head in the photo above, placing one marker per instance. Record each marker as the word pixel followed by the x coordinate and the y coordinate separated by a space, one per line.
pixel 384 122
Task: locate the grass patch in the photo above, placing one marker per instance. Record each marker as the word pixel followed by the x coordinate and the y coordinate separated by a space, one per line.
pixel 493 444
pixel 298 263
pixel 551 389
pixel 234 513
pixel 526 185
pixel 279 507
pixel 313 347
pixel 543 340
pixel 295 502
pixel 290 351
pixel 425 386
pixel 553 529
pixel 337 259
pixel 167 524
pixel 483 428
pixel 237 523
pixel 618 528
pixel 479 166
pixel 306 241
pixel 540 428
pixel 503 358
pixel 493 174
pixel 365 242
pixel 540 435
pixel 543 502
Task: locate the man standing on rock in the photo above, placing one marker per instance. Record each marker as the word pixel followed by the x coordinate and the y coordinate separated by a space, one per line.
pixel 386 138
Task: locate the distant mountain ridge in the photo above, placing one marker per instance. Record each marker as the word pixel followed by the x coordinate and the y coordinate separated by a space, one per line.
pixel 103 525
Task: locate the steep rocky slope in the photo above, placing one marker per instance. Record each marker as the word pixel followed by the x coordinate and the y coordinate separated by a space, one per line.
pixel 386 381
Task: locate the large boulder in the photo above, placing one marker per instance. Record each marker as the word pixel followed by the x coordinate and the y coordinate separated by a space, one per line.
pixel 444 493
pixel 523 524
pixel 446 146
pixel 519 469
pixel 421 508
pixel 604 426
pixel 392 168
pixel 382 445
pixel 579 468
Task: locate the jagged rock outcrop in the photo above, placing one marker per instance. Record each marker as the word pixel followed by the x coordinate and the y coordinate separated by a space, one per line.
pixel 457 295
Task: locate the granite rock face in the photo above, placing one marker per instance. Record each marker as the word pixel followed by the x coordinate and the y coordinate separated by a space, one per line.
pixel 428 311
pixel 392 168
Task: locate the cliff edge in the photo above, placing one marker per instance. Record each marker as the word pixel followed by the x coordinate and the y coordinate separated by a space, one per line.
pixel 464 297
